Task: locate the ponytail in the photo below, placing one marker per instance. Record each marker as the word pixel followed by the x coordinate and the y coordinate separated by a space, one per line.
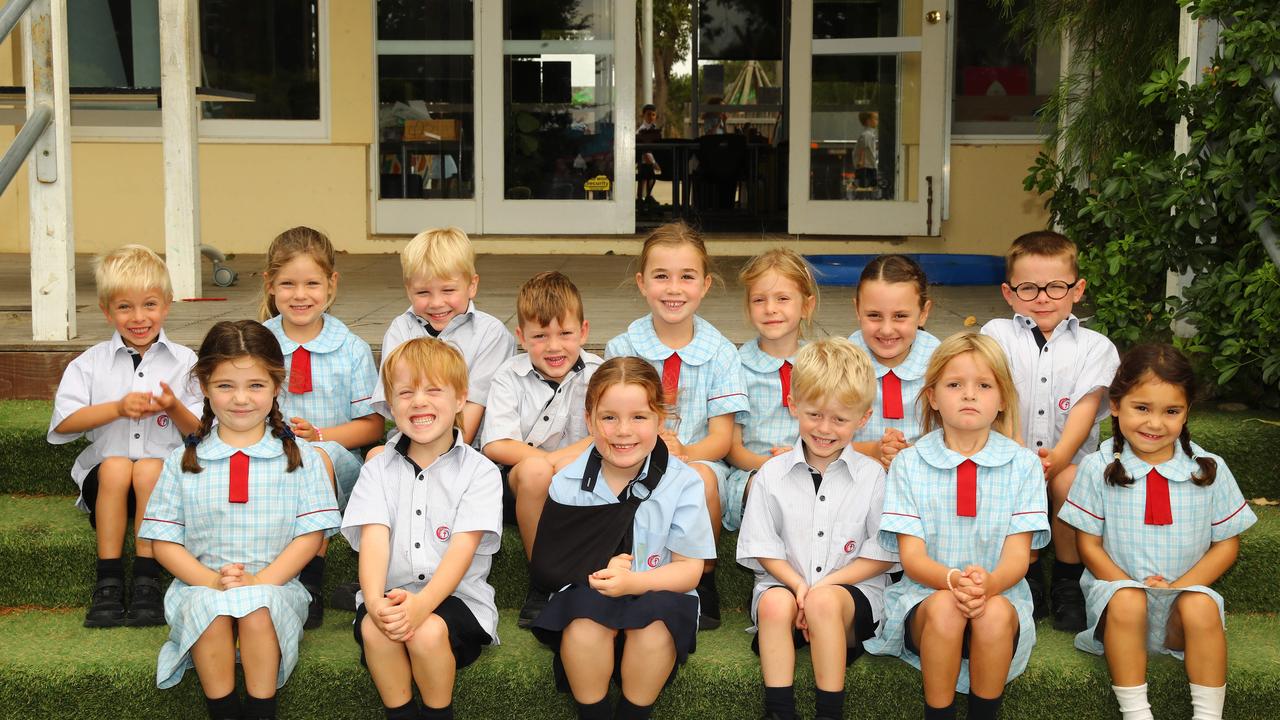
pixel 282 431
pixel 1208 466
pixel 1115 473
pixel 190 463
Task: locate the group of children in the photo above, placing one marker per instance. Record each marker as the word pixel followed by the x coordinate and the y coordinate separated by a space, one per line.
pixel 239 461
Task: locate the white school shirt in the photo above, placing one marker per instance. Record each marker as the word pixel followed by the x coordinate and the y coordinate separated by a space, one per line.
pixel 485 343
pixel 105 373
pixel 815 531
pixel 525 407
pixel 1050 381
pixel 423 507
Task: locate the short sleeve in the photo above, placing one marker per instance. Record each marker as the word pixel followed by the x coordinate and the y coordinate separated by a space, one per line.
pixel 758 535
pixel 690 532
pixel 73 394
pixel 317 506
pixel 367 505
pixel 494 349
pixel 1232 514
pixel 900 513
pixel 1097 370
pixel 480 507
pixel 1083 509
pixel 392 339
pixel 1030 511
pixel 727 393
pixel 871 547
pixel 163 518
pixel 619 346
pixel 502 413
pixel 363 379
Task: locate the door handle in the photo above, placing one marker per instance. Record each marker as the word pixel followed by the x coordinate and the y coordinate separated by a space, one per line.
pixel 933 17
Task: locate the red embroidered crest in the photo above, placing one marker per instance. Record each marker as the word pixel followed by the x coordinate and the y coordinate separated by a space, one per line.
pixel 1064 404
pixel 653 561
pixel 162 420
pixel 442 532
pixel 849 546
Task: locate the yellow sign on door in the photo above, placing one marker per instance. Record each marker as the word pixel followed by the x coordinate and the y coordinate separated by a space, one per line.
pixel 599 183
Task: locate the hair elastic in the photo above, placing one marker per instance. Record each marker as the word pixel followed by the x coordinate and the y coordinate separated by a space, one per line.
pixel 191 440
pixel 286 433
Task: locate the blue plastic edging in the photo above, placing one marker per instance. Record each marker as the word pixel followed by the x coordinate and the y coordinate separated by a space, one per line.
pixel 939 268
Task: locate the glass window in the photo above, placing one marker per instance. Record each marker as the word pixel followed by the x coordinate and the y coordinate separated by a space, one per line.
pixel 1000 82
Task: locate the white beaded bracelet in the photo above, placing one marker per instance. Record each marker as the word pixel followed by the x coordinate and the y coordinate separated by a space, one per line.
pixel 949 586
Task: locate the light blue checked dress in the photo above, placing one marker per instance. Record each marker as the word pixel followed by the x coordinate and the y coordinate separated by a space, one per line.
pixel 342 379
pixel 911 373
pixel 766 425
pixel 710 379
pixel 191 509
pixel 921 501
pixel 1201 517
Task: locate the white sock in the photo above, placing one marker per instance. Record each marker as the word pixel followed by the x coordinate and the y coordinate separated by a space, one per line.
pixel 1133 702
pixel 1206 702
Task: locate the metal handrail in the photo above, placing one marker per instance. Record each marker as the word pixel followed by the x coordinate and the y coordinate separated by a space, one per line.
pixel 11 14
pixel 22 144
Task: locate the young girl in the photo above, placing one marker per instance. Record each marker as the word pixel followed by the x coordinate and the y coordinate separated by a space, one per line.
pixel 234 517
pixel 892 302
pixel 1159 522
pixel 781 299
pixel 963 508
pixel 331 373
pixel 624 535
pixel 700 370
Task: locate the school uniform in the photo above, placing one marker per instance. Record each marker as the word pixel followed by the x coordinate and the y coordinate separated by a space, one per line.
pixel 924 497
pixel 485 343
pixel 423 508
pixel 766 424
pixel 1162 524
pixel 818 523
pixel 897 389
pixel 232 513
pixel 528 408
pixel 706 375
pixel 1052 375
pixel 107 372
pixel 330 382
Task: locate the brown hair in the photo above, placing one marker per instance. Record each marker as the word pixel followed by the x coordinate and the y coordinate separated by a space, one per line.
pixel 626 370
pixel 1041 243
pixel 1165 364
pixel 894 269
pixel 228 341
pixel 1006 422
pixel 428 358
pixel 789 264
pixel 675 234
pixel 292 243
pixel 547 297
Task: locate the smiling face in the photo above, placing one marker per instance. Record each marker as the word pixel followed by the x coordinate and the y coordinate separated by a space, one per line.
pixel 424 410
pixel 624 427
pixel 889 314
pixel 673 283
pixel 1042 270
pixel 1152 415
pixel 553 348
pixel 439 300
pixel 826 428
pixel 777 306
pixel 241 393
pixel 138 315
pixel 966 395
pixel 302 291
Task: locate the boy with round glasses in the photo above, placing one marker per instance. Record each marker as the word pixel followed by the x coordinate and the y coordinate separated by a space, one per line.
pixel 1061 371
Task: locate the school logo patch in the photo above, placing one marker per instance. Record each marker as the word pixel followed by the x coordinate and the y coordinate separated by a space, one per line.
pixel 653 561
pixel 849 546
pixel 1064 404
pixel 442 532
pixel 162 420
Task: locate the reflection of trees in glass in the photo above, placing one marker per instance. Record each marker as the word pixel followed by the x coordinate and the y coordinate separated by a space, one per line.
pixel 425 19
pixel 672 28
pixel 553 20
pixel 269 49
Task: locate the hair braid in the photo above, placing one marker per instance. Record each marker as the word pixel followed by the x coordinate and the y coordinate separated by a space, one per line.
pixel 1115 473
pixel 190 463
pixel 280 430
pixel 1208 466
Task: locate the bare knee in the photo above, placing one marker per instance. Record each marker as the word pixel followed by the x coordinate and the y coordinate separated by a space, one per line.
pixel 430 637
pixel 1198 611
pixel 824 603
pixel 256 622
pixel 532 475
pixel 650 639
pixel 583 632
pixel 371 635
pixel 328 464
pixel 710 484
pixel 1128 606
pixel 1060 485
pixel 998 622
pixel 777 606
pixel 115 474
pixel 941 616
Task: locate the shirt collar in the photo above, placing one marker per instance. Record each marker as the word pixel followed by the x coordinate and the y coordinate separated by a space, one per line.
pixel 523 366
pixel 455 322
pixel 913 366
pixel 117 343
pixel 647 345
pixel 401 447
pixel 1070 324
pixel 795 456
pixel 760 361
pixel 329 339
pixel 998 451
pixel 213 448
pixel 1178 468
pixel 578 468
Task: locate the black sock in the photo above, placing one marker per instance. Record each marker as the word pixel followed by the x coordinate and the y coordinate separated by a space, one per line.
pixel 1067 571
pixel 628 710
pixel 407 711
pixel 110 568
pixel 1035 570
pixel 430 713
pixel 945 713
pixel 146 567
pixel 259 707
pixel 984 709
pixel 828 704
pixel 594 711
pixel 312 574
pixel 226 708
pixel 780 701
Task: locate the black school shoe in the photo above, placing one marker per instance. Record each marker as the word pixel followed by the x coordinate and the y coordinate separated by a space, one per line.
pixel 1039 608
pixel 146 607
pixel 106 609
pixel 315 610
pixel 343 596
pixel 534 603
pixel 1068 605
pixel 708 603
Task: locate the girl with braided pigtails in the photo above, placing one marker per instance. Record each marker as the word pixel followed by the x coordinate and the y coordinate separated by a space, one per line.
pixel 1159 521
pixel 236 514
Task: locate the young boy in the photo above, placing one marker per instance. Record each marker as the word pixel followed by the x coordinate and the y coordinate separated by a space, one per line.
pixel 439 271
pixel 134 398
pixel 810 533
pixel 1061 371
pixel 535 423
pixel 426 519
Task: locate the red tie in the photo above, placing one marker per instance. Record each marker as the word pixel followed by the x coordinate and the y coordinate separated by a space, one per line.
pixel 1158 510
pixel 784 374
pixel 300 371
pixel 670 378
pixel 891 389
pixel 239 492
pixel 967 489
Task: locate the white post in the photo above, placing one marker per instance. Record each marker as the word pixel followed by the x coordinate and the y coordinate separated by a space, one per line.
pixel 53 258
pixel 646 52
pixel 179 122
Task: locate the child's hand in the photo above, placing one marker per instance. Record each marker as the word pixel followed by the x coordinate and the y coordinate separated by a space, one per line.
pixel 393 616
pixel 166 399
pixel 612 582
pixel 1157 581
pixel 1052 463
pixel 975 574
pixel 802 623
pixel 674 446
pixel 779 450
pixel 891 443
pixel 621 561
pixel 304 429
pixel 136 405
pixel 234 576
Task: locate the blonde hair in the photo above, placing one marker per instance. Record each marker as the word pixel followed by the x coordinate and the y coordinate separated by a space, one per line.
pixel 989 351
pixel 675 234
pixel 131 267
pixel 1041 243
pixel 429 359
pixel 286 246
pixel 791 266
pixel 626 370
pixel 547 297
pixel 834 369
pixel 439 253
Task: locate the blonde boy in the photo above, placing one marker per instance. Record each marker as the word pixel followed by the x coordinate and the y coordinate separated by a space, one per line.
pixel 134 398
pixel 810 532
pixel 1061 371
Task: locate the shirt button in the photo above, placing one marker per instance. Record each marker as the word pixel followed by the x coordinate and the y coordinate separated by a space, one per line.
pixel 1039 443
pixel 545 418
pixel 1046 348
pixel 820 533
pixel 1041 412
pixel 1044 379
pixel 139 374
pixel 819 568
pixel 822 498
pixel 137 435
pixel 422 577
pixel 417 545
pixel 418 511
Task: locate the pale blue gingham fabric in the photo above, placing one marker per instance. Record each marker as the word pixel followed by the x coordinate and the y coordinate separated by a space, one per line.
pixel 921 501
pixel 342 380
pixel 1201 517
pixel 911 373
pixel 192 509
pixel 765 425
